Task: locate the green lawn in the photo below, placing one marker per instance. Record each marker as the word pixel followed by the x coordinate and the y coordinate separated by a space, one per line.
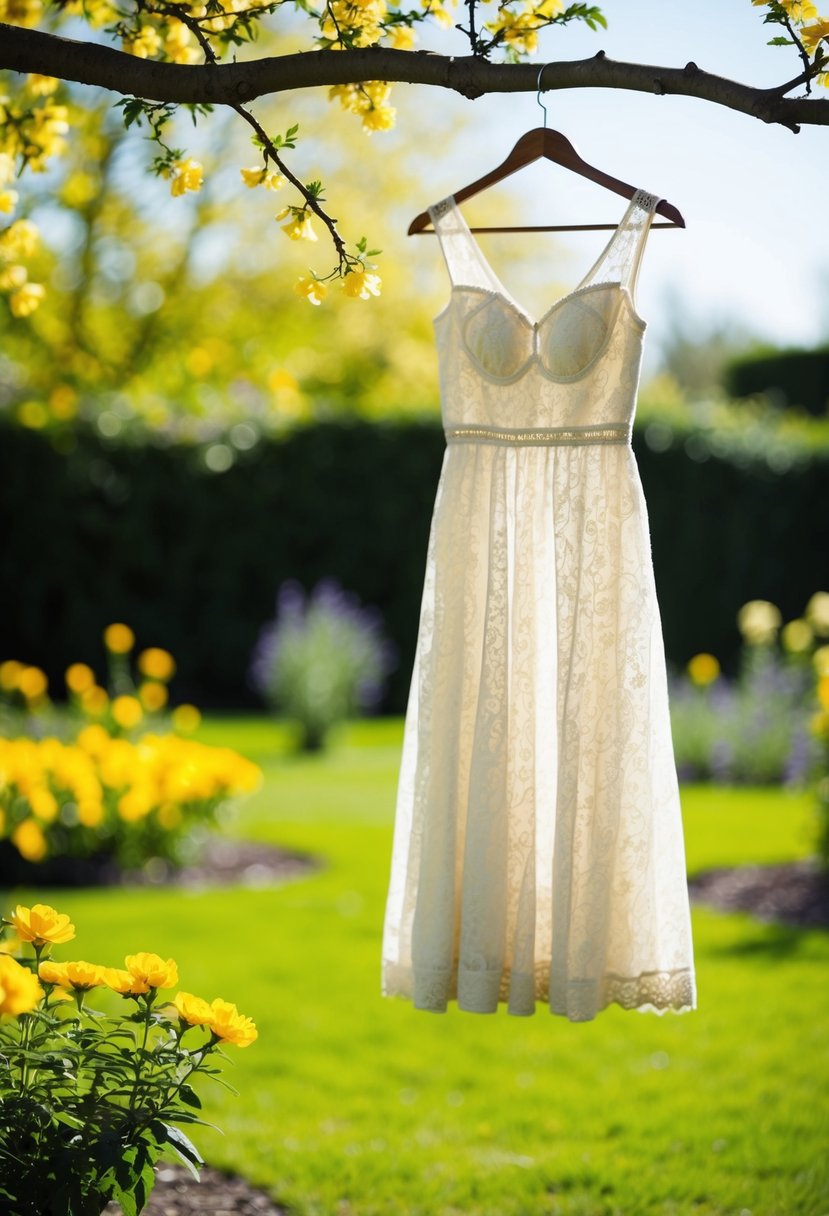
pixel 353 1105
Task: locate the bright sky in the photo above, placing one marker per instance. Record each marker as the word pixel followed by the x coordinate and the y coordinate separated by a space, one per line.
pixel 755 251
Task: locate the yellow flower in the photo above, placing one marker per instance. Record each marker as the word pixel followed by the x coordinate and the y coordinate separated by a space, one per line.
pixel 10 672
pixel 402 38
pixel 186 718
pixel 43 803
pixel 298 227
pixel 152 695
pixel 41 86
pixel 230 1025
pixel 311 290
pixel 758 622
pixel 799 10
pixel 19 240
pixel 25 300
pixel 29 840
pixel 146 43
pixel 41 924
pixel 820 724
pixel 187 175
pixel 93 739
pixel 8 201
pixel 817 613
pixel 119 639
pixel 95 700
pixel 79 677
pixel 135 804
pixel 379 118
pixel 262 177
pixel 32 683
pixel 823 692
pixel 797 636
pixel 127 711
pixel 703 669
pixel 156 663
pixel 122 981
pixel 812 35
pixel 821 660
pixel 53 973
pixel 19 989
pixel 192 1009
pixel 360 285
pixel 152 969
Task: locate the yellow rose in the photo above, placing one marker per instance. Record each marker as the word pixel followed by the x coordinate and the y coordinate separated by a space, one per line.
pixel 152 969
pixel 127 711
pixel 122 981
pixel 119 638
pixel 192 1009
pixel 41 924
pixel 19 989
pixel 227 1023
pixel 79 678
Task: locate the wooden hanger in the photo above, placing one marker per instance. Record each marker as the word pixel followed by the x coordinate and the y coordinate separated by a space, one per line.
pixel 551 145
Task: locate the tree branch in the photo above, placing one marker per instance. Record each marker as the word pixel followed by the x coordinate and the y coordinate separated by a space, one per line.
pixel 28 50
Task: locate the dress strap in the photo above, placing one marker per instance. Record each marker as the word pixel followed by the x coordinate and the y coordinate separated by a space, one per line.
pixel 619 261
pixel 461 253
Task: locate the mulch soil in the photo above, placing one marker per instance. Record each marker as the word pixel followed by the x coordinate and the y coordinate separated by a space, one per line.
pixel 795 894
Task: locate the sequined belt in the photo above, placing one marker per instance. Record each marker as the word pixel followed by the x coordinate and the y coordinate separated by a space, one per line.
pixel 614 432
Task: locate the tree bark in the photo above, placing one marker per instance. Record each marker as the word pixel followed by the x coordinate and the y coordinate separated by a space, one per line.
pixel 27 50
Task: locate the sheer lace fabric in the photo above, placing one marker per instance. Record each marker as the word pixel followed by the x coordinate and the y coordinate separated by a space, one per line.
pixel 538 850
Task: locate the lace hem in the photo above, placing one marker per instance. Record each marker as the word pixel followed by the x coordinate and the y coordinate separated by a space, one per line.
pixel 579 1000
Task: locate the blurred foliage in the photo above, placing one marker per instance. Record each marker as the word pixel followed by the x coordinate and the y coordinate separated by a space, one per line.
pixel 192 549
pixel 789 377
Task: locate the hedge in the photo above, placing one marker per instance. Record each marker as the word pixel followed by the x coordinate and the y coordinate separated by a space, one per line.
pixel 796 377
pixel 191 559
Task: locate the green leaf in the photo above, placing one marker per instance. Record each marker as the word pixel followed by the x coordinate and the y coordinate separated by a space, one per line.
pixel 780 41
pixel 185 1148
pixel 189 1095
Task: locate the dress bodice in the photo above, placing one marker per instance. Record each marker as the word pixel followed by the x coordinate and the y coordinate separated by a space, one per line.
pixel 576 367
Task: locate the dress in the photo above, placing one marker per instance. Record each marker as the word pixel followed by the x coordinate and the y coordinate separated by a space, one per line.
pixel 538 849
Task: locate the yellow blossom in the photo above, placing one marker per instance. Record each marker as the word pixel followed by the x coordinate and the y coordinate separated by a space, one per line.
pixel 817 613
pixel 187 175
pixel 53 973
pixel 379 118
pixel 361 285
pixel 186 718
pixel 21 12
pixel 135 804
pixel 32 683
pixel 145 43
pixel 10 672
pixel 758 622
pixel 311 290
pixel 79 677
pixel 402 38
pixel 298 227
pixel 25 299
pixel 819 725
pixel 42 924
pixel 94 700
pixel 823 692
pixel 262 177
pixel 152 695
pixel 127 711
pixel 821 660
pixel 797 636
pixel 19 240
pixel 151 968
pixel 29 840
pixel 43 804
pixel 156 663
pixel 192 1009
pixel 119 638
pixel 19 989
pixel 230 1025
pixel 122 981
pixel 41 86
pixel 8 201
pixel 82 975
pixel 800 10
pixel 703 669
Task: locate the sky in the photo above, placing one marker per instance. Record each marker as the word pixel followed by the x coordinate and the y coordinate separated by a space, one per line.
pixel 755 251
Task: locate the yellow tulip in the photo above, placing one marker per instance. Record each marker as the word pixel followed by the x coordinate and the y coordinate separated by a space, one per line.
pixel 227 1023
pixel 19 989
pixel 41 924
pixel 152 969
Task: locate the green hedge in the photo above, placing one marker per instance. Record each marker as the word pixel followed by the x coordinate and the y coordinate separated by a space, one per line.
pixel 192 559
pixel 798 377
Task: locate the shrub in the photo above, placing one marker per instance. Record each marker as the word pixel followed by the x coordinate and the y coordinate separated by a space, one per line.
pixel 90 781
pixel 90 1100
pixel 321 660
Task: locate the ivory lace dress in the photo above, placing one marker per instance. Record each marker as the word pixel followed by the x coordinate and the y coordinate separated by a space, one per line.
pixel 538 848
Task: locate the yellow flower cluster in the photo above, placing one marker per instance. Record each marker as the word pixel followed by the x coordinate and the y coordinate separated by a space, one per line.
pixel 19 240
pixel 359 284
pixel 369 100
pixel 142 975
pixel 812 35
pixel 99 778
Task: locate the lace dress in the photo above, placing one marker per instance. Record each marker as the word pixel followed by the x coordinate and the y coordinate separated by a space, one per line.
pixel 538 849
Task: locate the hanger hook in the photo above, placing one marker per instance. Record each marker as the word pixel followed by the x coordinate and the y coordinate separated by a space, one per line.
pixel 538 93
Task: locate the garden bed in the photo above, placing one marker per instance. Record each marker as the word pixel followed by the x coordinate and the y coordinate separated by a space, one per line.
pixel 176 1193
pixel 795 893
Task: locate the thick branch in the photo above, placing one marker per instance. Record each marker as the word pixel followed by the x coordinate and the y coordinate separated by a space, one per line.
pixel 26 50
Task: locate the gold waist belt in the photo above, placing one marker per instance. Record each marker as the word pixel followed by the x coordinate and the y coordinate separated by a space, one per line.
pixel 614 432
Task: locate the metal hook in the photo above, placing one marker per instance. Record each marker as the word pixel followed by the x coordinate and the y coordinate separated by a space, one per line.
pixel 538 93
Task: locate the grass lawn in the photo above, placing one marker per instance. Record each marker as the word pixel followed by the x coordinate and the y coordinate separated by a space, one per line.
pixel 353 1105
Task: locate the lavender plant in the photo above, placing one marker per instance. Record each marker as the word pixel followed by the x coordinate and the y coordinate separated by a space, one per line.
pixel 321 660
